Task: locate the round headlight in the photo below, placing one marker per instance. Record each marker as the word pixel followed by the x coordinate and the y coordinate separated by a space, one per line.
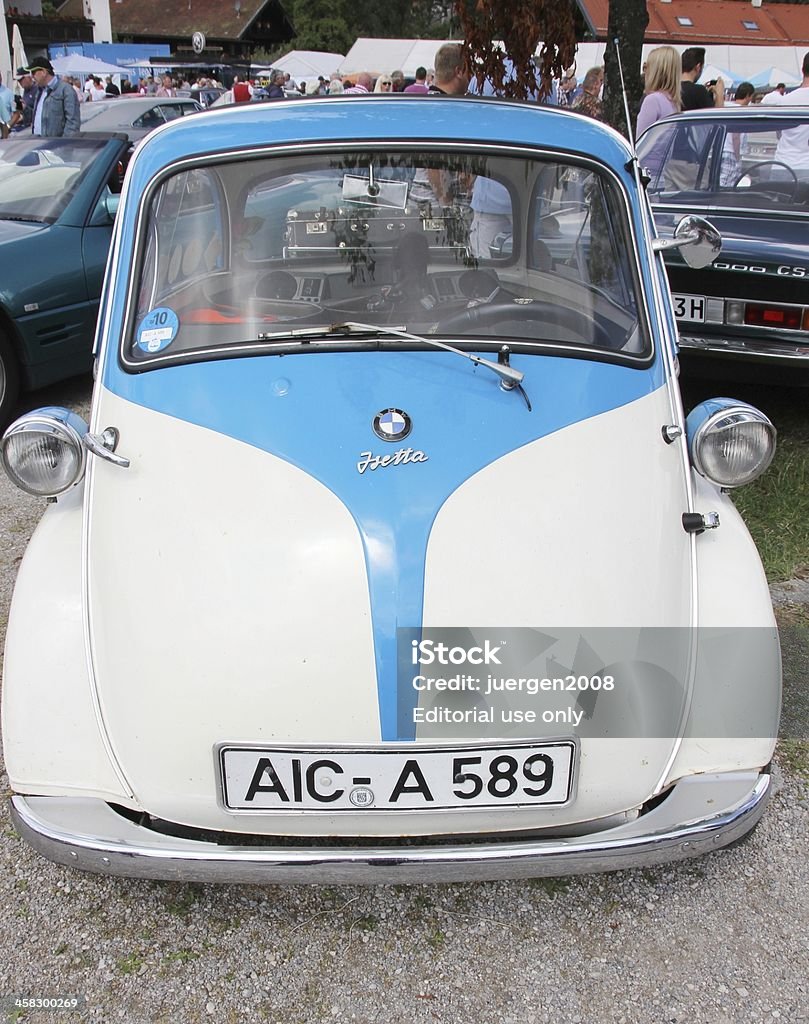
pixel 43 453
pixel 731 443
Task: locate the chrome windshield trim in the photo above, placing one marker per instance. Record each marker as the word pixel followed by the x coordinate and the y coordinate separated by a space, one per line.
pixel 383 145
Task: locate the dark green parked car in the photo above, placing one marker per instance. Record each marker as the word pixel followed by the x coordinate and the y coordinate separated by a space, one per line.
pixel 57 206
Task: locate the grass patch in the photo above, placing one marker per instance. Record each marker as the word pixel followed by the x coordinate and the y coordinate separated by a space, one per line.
pixel 181 901
pixel 366 923
pixel 130 964
pixel 794 756
pixel 776 510
pixel 552 887
pixel 182 956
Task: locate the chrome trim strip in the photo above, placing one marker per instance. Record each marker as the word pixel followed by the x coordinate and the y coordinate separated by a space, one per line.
pixel 796 353
pixel 662 298
pixel 86 612
pixel 715 209
pixel 701 814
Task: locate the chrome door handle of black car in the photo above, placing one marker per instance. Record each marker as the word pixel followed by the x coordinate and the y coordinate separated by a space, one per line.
pixel 103 445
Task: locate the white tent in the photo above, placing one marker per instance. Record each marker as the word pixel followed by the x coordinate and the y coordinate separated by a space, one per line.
pixel 6 69
pixel 770 77
pixel 377 55
pixel 19 58
pixel 307 64
pixel 77 64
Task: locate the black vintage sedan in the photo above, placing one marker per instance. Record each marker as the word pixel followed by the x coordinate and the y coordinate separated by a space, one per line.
pixel 746 170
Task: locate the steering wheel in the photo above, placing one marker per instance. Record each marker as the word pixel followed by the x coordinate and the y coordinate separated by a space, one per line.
pixel 591 331
pixel 771 163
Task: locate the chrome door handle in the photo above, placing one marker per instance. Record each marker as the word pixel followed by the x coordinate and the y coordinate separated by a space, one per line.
pixel 103 445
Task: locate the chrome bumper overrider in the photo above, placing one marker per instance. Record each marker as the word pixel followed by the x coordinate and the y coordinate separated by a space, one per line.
pixel 701 813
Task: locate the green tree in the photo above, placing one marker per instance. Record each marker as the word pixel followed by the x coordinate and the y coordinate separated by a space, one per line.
pixel 321 25
pixel 334 25
pixel 627 24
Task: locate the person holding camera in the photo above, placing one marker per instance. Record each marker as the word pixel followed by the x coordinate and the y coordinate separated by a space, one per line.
pixel 694 96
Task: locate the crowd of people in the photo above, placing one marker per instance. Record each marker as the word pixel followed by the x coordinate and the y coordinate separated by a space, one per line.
pixel 671 84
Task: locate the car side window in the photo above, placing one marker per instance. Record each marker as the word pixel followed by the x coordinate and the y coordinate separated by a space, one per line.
pixel 149 119
pixel 692 157
pixel 186 234
pixel 171 111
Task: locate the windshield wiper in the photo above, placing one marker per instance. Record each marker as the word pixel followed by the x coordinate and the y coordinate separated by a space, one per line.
pixel 509 377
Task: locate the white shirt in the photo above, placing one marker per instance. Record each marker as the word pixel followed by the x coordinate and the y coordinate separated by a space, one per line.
pixel 793 146
pixel 771 99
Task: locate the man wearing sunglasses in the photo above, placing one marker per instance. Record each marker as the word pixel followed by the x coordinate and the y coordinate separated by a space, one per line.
pixel 56 110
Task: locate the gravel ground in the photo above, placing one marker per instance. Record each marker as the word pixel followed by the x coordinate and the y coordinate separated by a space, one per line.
pixel 721 939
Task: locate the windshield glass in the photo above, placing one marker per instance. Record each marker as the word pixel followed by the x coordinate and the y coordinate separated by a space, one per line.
pixel 39 176
pixel 477 249
pixel 736 162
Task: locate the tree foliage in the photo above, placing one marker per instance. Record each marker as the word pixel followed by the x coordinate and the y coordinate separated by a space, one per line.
pixel 321 25
pixel 521 25
pixel 334 25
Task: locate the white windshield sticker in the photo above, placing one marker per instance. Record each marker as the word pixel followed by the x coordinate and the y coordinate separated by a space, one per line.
pixel 157 329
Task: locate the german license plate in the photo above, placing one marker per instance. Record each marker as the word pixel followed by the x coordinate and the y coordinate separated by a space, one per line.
pixel 690 308
pixel 276 779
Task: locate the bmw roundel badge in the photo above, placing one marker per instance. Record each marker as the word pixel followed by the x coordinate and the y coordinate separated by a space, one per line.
pixel 392 425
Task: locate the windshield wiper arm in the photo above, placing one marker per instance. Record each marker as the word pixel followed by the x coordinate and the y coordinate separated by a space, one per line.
pixel 510 377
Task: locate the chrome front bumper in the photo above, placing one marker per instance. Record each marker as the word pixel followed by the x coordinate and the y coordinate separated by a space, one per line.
pixel 700 814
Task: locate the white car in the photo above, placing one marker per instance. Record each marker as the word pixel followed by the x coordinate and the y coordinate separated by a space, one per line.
pixel 388 553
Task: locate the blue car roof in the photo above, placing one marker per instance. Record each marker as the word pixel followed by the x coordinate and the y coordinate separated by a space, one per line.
pixel 372 118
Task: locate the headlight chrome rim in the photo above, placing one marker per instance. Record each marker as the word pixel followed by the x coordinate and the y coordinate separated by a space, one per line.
pixel 59 423
pixel 732 415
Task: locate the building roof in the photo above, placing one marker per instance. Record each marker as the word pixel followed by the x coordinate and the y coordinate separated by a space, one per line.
pixel 232 19
pixel 701 22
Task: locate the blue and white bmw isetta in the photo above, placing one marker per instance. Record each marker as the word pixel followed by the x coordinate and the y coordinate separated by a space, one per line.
pixel 388 553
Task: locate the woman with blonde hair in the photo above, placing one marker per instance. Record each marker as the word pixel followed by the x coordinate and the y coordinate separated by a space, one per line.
pixel 384 84
pixel 662 92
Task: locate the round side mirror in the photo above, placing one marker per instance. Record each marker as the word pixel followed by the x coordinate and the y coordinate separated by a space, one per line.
pixel 700 242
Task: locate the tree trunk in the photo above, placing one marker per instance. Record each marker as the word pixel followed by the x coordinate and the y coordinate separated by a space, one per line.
pixel 627 24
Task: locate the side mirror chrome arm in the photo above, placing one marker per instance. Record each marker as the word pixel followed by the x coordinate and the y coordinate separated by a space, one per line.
pixel 103 445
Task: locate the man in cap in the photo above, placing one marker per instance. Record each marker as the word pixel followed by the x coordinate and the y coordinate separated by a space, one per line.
pixel 56 112
pixel 23 117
